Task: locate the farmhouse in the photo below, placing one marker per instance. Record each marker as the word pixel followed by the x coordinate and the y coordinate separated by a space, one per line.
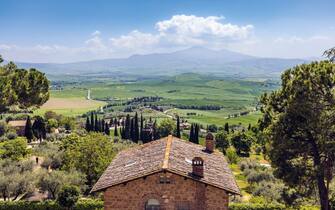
pixel 18 125
pixel 168 174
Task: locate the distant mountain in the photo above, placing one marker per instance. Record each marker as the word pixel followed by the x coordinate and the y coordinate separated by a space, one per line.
pixel 195 59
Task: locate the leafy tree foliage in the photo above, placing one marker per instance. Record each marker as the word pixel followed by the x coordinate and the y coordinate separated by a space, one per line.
pixel 68 196
pixel 22 88
pixel 89 154
pixel 15 149
pixel 222 141
pixel 242 143
pixel 330 54
pixel 166 127
pixel 53 181
pixel 16 178
pixel 299 120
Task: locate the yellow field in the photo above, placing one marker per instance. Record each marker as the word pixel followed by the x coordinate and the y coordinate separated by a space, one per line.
pixel 69 106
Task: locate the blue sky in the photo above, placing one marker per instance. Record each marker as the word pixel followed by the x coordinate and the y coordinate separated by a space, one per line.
pixel 73 30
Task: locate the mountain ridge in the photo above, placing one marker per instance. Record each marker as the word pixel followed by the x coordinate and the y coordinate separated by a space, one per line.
pixel 195 59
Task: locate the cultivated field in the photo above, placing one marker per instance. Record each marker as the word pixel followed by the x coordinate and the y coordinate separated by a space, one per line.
pixel 232 95
pixel 69 106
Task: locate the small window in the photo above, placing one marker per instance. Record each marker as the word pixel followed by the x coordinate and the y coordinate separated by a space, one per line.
pixel 152 204
pixel 164 179
pixel 183 205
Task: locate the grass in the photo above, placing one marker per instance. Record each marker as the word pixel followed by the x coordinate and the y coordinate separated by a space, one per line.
pixel 232 95
pixel 215 117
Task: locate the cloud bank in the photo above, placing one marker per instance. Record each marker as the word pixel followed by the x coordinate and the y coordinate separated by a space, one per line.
pixel 178 32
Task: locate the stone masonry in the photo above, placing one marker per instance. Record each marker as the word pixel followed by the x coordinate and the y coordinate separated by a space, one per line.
pixel 173 192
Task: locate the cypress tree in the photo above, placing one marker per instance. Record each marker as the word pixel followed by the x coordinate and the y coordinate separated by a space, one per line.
pixel 115 130
pixel 155 134
pixel 96 123
pixel 107 131
pixel 136 130
pixel 127 127
pixel 191 137
pixel 196 133
pixel 249 127
pixel 132 129
pixel 103 125
pixel 111 122
pixel 88 125
pixel 141 130
pixel 39 128
pixel 178 127
pixel 226 127
pixel 28 130
pixel 92 121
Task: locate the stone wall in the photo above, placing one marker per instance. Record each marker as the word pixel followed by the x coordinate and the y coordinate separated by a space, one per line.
pixel 169 189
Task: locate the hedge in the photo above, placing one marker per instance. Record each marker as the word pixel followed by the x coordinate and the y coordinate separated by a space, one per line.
pixel 50 205
pixel 244 206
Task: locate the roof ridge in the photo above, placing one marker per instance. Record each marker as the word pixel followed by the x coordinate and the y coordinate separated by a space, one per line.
pixel 167 152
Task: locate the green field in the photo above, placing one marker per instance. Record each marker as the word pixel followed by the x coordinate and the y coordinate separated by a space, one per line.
pixel 232 95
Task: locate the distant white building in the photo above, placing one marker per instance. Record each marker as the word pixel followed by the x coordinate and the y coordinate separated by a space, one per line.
pixel 88 94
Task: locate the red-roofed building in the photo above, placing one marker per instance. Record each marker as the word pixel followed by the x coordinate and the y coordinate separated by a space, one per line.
pixel 168 174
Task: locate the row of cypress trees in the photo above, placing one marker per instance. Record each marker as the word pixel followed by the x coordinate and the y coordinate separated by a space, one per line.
pixel 96 125
pixel 194 133
pixel 36 129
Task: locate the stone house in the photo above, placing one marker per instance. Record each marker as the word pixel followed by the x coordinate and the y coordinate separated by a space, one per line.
pixel 19 126
pixel 168 174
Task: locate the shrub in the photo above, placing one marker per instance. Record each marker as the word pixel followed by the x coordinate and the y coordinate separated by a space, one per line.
pixel 249 206
pixel 3 128
pixel 50 205
pixel 231 155
pixel 68 196
pixel 11 135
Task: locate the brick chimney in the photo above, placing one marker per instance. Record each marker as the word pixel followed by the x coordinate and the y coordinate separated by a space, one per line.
pixel 198 167
pixel 210 142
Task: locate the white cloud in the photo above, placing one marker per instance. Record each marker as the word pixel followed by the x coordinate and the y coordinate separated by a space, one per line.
pixel 202 27
pixel 135 40
pixel 96 33
pixel 177 32
pixel 95 43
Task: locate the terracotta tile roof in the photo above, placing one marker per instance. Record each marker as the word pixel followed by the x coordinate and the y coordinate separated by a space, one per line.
pixel 171 154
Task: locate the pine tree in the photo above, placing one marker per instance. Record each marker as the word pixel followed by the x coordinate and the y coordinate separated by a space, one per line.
pixel 178 127
pixel 28 131
pixel 88 125
pixel 141 130
pixel 226 127
pixel 115 131
pixel 191 137
pixel 106 128
pixel 136 130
